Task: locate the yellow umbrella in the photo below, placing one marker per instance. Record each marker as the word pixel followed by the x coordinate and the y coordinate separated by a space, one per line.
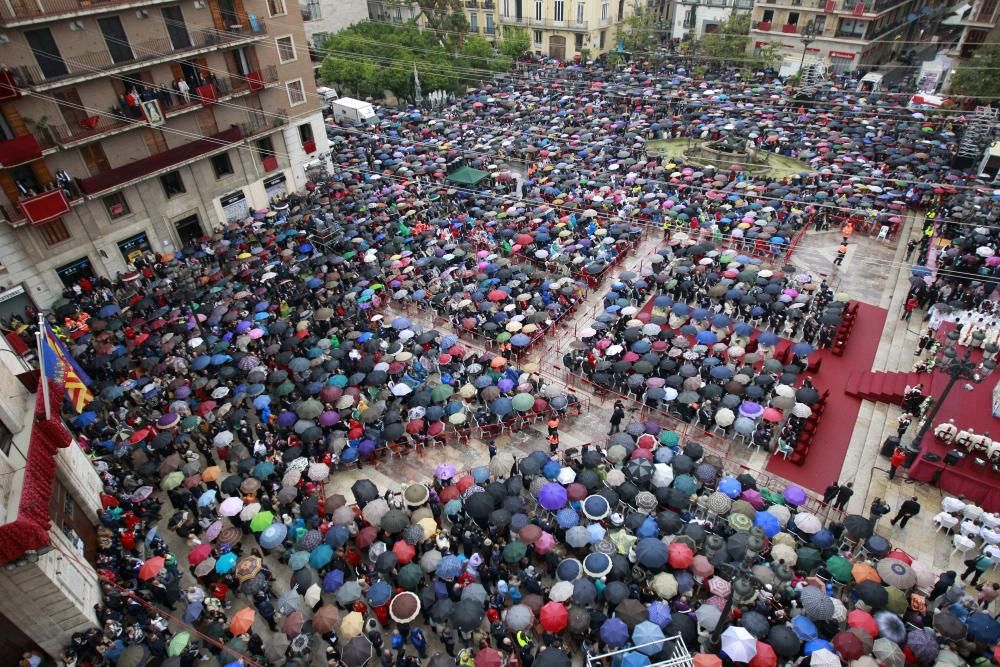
pixel 429 526
pixel 352 625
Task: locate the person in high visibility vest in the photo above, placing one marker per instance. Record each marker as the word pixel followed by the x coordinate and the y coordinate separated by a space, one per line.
pixel 523 639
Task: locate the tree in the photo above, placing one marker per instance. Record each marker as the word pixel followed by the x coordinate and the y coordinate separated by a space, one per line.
pixel 638 32
pixel 730 42
pixel 973 78
pixel 516 42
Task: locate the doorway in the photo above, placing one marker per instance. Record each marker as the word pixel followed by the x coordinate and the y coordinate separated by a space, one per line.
pixel 189 230
pixel 134 247
pixel 72 273
pixel 557 47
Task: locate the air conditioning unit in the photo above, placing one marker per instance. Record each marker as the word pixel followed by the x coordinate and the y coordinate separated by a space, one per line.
pixel 76 25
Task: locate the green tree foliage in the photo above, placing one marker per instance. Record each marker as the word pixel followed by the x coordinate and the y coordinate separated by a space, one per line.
pixel 974 78
pixel 731 44
pixel 516 42
pixel 369 58
pixel 639 32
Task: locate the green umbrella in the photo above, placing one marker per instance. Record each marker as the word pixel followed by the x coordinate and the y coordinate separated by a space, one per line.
pixel 285 388
pixel 503 336
pixel 114 325
pixel 172 481
pixel 808 559
pixel 772 497
pixel 409 577
pixel 514 551
pixel 897 600
pixel 669 438
pixel 261 521
pixel 840 568
pixel 442 392
pixel 741 523
pixel 263 470
pixel 523 402
pixel 686 484
pixel 178 643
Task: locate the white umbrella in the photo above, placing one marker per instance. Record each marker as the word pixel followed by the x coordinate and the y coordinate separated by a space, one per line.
pixel 808 523
pixel 615 477
pixel 739 644
pixel 566 476
pixel 801 410
pixel 782 513
pixel 784 390
pixel 663 475
pixel 401 389
pixel 824 658
pixel 561 591
pixel 725 417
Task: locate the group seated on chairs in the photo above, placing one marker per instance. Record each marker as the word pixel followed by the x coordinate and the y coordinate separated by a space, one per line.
pixel 969 526
pixel 966 441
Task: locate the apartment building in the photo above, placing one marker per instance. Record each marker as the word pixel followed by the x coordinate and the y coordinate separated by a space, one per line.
pixel 975 18
pixel 327 17
pixel 134 125
pixel 693 19
pixel 850 34
pixel 563 29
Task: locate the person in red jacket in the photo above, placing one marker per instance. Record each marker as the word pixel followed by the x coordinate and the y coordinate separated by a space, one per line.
pixel 897 460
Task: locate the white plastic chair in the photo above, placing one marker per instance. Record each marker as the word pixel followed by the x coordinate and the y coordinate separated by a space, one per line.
pixel 961 545
pixel 945 522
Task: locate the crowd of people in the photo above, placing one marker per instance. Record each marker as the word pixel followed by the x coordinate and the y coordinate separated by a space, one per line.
pixel 234 377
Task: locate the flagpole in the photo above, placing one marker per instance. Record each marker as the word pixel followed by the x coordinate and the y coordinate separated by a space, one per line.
pixel 42 378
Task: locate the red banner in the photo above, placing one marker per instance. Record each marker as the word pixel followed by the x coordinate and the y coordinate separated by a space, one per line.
pixel 270 163
pixel 19 150
pixel 859 8
pixel 255 80
pixel 45 207
pixel 207 94
pixel 831 6
pixel 309 146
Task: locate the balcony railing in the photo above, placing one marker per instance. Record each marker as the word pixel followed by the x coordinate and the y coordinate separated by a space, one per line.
pixel 764 26
pixel 19 150
pixel 262 123
pixel 790 29
pixel 489 30
pixel 162 162
pixel 489 4
pixel 474 29
pixel 551 24
pixel 472 4
pixel 36 11
pixel 99 127
pixel 100 63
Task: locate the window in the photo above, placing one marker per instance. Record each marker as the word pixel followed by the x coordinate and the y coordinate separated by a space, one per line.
pixel 819 24
pixel 604 36
pixel 604 11
pixel 538 37
pixel 116 206
pixel 276 7
pixel 296 92
pixel 286 49
pixel 474 22
pixel 54 232
pixel 505 10
pixel 580 9
pixel 173 184
pixel 306 133
pixel 852 28
pixel 265 147
pixel 489 24
pixel 768 16
pixel 579 41
pixel 793 18
pixel 559 10
pixel 538 10
pixel 222 165
pixel 116 39
pixel 6 438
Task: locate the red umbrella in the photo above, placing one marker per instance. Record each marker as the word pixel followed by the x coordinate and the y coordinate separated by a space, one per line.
pixel 497 295
pixel 200 553
pixel 848 645
pixel 554 617
pixel 404 551
pixel 679 555
pixel 900 555
pixel 765 657
pixel 140 435
pixel 448 493
pixel 862 620
pixel 366 537
pixel 151 568
pixel 772 415
pixel 465 483
pixel 415 426
pixel 488 657
pixel 646 441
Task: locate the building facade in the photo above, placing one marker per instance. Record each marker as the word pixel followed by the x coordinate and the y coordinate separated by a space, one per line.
pixel 326 17
pixel 564 29
pixel 850 34
pixel 975 18
pixel 693 19
pixel 138 125
pixel 49 498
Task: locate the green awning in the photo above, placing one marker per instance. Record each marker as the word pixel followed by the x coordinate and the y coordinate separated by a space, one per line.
pixel 467 176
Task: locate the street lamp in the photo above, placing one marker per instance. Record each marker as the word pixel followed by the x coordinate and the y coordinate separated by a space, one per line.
pixel 956 368
pixel 809 34
pixel 741 584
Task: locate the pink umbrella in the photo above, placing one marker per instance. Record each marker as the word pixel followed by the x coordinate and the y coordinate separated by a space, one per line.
pixel 231 506
pixel 753 497
pixel 772 415
pixel 544 543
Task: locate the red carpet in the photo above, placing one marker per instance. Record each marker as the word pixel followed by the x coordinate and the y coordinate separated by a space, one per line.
pixel 833 434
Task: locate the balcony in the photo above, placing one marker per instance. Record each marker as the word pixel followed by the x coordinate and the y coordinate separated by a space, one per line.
pixel 78 68
pixel 489 4
pixel 790 29
pixel 474 29
pixel 154 165
pixel 19 150
pixel 261 124
pixel 549 24
pixel 96 128
pixel 472 4
pixel 14 14
pixel 764 26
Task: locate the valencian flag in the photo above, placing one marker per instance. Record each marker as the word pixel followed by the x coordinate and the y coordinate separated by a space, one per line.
pixel 62 369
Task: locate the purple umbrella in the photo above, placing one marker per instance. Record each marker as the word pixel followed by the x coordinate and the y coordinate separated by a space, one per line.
pixel 614 633
pixel 795 496
pixel 552 496
pixel 329 418
pixel 751 409
pixel 168 420
pixel 182 392
pixel 287 419
pixel 659 613
pixel 505 385
pixel 753 497
pixel 243 325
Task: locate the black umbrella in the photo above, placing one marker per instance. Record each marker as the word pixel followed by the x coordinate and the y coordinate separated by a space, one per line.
pixel 872 594
pixel 467 615
pixel 784 641
pixel 442 610
pixel 364 491
pixel 616 592
pixel 552 657
pixel 480 506
pixel 683 625
pixel 858 526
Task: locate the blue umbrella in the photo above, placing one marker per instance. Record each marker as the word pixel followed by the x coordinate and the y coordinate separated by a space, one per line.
pixel 207 498
pixel 273 535
pixel 401 323
pixel 321 556
pixel 449 567
pixel 108 310
pixel 823 539
pixel 804 628
pixel 567 518
pixel 731 487
pixel 379 593
pixel 743 329
pixel 193 611
pixel 614 633
pixel 569 569
pixel 984 628
pixel 225 563
pixel 651 552
pixel 659 613
pixel 332 581
pixel 721 372
pixel 814 645
pixel 337 536
pixel 706 338
pixel 201 363
pixel 298 560
pixel 768 338
pixel 85 419
pixel 802 349
pixel 648 632
pixel 648 528
pixel 502 406
pixel 520 340
pixel 768 523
